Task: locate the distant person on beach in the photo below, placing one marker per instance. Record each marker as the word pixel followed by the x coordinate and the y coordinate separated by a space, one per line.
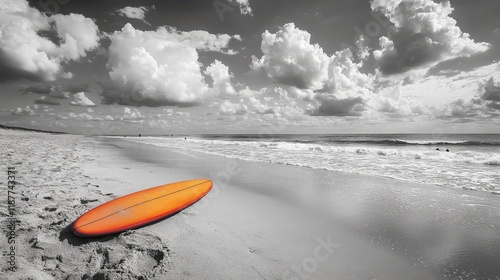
pixel 139 135
pixel 447 150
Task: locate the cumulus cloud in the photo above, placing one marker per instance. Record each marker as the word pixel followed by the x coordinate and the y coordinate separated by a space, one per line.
pixel 126 115
pixel 362 50
pixel 83 117
pixel 244 101
pixel 66 91
pixel 392 103
pixel 223 6
pixel 55 91
pixel 60 94
pixel 268 103
pixel 423 35
pixel 199 39
pixel 334 106
pixel 157 68
pixel 245 8
pixel 290 59
pixel 135 12
pixel 489 93
pixel 485 104
pixel 47 100
pixel 284 105
pixel 346 90
pixel 78 34
pixel 462 109
pixel 257 106
pixel 490 90
pixel 221 79
pixel 131 115
pixel 79 99
pixel 229 108
pixel 74 116
pixel 67 75
pixel 24 53
pixel 26 111
pixel 345 78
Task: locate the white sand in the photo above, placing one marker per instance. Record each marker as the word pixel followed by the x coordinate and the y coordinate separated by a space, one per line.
pixel 52 190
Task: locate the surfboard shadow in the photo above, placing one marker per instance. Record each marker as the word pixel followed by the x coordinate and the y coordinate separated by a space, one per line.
pixel 67 233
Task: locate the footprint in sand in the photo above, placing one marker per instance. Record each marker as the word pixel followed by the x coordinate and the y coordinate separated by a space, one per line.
pixel 50 208
pixel 130 255
pixel 87 200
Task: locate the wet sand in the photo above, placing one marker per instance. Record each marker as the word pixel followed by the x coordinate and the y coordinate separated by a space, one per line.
pixel 382 228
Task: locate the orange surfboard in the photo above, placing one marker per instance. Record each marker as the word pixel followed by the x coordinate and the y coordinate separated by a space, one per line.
pixel 140 208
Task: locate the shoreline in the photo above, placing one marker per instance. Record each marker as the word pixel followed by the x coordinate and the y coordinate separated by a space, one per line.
pixel 469 166
pixel 397 205
pixel 261 220
pixel 464 190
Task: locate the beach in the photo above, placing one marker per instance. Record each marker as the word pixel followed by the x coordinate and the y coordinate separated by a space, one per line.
pixel 262 220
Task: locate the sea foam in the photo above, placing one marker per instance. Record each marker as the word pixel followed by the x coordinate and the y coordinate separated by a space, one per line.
pixel 465 166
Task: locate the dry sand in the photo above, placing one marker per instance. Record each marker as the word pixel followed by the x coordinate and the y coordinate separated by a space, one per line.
pixel 52 190
pixel 261 221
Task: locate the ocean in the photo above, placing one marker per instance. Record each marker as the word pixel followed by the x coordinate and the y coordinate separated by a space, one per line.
pixel 472 161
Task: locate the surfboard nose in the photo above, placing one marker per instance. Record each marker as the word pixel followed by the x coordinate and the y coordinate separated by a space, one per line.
pixel 206 184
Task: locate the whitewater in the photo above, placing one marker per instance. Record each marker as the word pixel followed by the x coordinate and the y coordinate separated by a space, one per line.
pixel 472 161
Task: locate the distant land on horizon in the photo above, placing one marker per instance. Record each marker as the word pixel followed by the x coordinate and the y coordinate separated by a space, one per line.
pixel 28 129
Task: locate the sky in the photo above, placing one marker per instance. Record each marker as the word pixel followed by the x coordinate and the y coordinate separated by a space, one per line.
pixel 250 66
